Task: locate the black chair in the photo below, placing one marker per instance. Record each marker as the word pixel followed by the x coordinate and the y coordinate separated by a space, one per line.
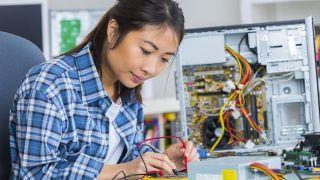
pixel 17 56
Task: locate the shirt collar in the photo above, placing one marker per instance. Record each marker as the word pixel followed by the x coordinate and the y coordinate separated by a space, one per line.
pixel 91 85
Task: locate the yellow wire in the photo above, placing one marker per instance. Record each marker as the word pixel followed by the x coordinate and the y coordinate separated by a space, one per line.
pixel 231 97
pixel 265 172
pixel 221 122
pixel 275 176
pixel 238 93
pixel 251 124
pixel 237 60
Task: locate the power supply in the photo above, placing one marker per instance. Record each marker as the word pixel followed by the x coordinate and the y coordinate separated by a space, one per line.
pixel 231 168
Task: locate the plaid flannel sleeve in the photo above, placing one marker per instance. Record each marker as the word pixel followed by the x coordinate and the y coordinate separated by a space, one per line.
pixel 36 133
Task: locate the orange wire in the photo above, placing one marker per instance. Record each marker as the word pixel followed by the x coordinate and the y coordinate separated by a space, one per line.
pixel 265 169
pixel 252 123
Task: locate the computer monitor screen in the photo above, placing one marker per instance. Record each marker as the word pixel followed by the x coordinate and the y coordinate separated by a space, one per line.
pixel 23 20
pixel 27 19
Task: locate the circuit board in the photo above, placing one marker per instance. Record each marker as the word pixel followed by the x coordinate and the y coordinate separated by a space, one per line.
pixel 206 89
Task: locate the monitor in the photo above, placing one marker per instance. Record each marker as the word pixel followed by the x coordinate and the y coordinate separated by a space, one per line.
pixel 28 19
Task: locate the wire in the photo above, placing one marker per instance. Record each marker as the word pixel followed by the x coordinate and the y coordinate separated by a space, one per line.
pixel 143 143
pixel 222 122
pixel 144 163
pixel 265 170
pixel 237 96
pixel 245 74
pixel 151 147
pixel 239 46
pixel 251 122
pixel 246 37
pixel 185 159
pixel 115 176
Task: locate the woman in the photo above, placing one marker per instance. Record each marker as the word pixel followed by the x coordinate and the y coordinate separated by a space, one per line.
pixel 80 115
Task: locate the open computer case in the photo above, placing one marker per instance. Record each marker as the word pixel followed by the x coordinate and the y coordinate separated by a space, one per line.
pixel 248 87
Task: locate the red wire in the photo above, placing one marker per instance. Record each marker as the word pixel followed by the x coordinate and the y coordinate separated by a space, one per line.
pixel 244 111
pixel 226 117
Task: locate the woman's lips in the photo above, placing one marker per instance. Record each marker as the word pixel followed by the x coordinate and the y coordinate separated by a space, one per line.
pixel 137 79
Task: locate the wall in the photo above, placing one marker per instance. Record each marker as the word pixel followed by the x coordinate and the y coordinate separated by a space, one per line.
pixel 286 11
pixel 298 10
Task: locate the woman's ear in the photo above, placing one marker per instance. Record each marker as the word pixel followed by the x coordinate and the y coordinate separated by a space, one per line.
pixel 112 33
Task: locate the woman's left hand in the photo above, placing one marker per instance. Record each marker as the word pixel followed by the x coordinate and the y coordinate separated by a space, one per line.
pixel 176 152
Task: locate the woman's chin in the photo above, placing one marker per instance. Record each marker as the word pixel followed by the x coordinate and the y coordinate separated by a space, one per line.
pixel 129 84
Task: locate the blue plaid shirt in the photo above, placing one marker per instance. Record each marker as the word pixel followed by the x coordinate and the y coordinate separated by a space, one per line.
pixel 58 123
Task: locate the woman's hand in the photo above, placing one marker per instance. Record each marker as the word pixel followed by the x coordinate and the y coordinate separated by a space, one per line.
pixel 154 162
pixel 176 152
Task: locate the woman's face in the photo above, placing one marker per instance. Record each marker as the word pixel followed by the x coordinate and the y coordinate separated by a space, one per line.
pixel 142 54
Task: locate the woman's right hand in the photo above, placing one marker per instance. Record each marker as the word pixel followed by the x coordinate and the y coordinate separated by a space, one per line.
pixel 154 162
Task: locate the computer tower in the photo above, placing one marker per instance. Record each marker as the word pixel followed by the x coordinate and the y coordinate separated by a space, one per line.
pixel 248 87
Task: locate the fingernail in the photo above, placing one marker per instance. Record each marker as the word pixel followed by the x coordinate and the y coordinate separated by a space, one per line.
pixel 173 166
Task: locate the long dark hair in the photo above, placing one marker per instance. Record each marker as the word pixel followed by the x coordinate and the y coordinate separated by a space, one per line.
pixel 133 15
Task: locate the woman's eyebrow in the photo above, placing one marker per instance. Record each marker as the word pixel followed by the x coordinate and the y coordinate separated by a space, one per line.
pixel 152 44
pixel 170 53
pixel 156 47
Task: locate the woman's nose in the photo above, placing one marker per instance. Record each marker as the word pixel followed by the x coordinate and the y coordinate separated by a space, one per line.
pixel 150 67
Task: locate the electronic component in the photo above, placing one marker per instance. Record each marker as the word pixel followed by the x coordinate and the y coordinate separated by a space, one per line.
pixel 232 167
pixel 312 143
pixel 305 158
pixel 306 153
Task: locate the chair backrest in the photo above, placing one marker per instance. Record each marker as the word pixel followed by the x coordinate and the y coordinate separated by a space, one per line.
pixel 17 56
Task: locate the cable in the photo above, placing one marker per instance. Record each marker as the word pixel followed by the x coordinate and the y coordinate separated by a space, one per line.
pixel 115 176
pixel 265 170
pixel 244 75
pixel 239 46
pixel 185 159
pixel 222 122
pixel 125 176
pixel 247 77
pixel 238 97
pixel 141 144
pixel 251 122
pixel 154 149
pixel 144 163
pixel 158 151
pixel 246 37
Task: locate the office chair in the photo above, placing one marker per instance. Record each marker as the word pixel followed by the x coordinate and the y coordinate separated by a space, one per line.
pixel 17 56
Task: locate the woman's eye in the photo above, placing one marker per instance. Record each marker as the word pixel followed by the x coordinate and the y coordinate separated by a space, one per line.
pixel 164 60
pixel 145 52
